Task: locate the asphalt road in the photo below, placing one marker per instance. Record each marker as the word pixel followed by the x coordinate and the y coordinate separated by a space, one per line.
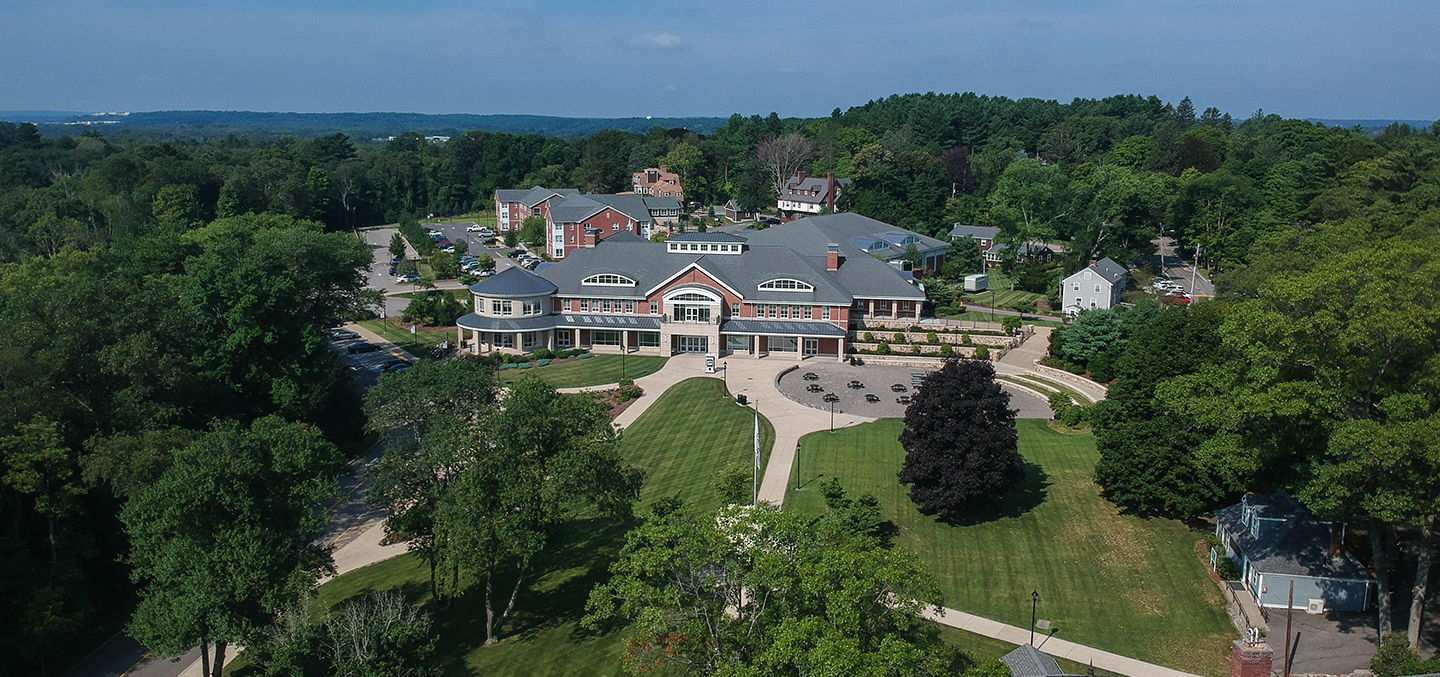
pixel 1170 265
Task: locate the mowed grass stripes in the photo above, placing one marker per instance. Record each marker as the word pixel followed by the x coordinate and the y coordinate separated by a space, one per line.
pixel 1115 582
pixel 693 430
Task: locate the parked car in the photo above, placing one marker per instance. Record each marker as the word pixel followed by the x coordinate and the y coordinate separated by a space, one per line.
pixel 343 335
pixel 398 368
pixel 360 348
pixel 485 273
pixel 387 365
pixel 474 228
pixel 770 220
pixel 448 250
pixel 407 279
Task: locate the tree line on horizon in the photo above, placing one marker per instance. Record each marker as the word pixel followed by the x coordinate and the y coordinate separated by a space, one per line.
pixel 163 300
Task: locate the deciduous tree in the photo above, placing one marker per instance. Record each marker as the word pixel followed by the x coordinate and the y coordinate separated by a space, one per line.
pixel 960 441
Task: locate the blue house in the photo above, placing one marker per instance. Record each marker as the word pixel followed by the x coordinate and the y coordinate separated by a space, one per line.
pixel 1276 541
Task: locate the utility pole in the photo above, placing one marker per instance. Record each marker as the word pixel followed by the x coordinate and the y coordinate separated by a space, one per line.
pixel 1289 611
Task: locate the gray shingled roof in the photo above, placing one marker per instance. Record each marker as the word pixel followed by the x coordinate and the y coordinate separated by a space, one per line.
pixel 795 251
pixel 1109 270
pixel 1026 249
pixel 513 282
pixel 974 232
pixel 1298 546
pixel 1027 661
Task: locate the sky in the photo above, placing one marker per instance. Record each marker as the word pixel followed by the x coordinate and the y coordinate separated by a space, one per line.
pixel 1312 58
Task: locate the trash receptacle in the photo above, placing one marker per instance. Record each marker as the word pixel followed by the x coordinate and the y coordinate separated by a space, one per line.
pixel 740 400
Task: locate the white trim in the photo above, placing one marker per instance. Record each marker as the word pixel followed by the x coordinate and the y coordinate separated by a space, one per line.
pixel 801 285
pixel 628 281
pixel 670 295
pixel 695 265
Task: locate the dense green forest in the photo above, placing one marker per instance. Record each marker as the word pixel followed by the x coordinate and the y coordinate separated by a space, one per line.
pixel 164 298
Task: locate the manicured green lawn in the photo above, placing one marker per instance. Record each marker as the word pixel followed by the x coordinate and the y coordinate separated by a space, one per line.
pixel 1116 582
pixel 417 344
pixel 461 295
pixel 694 428
pixel 594 371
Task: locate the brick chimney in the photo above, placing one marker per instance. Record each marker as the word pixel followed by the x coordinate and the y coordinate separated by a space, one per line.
pixel 1337 541
pixel 1250 660
pixel 1094 262
pixel 800 177
pixel 832 256
pixel 663 168
pixel 830 192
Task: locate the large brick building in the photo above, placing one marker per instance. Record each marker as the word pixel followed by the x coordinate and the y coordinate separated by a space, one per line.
pixel 791 291
pixel 512 207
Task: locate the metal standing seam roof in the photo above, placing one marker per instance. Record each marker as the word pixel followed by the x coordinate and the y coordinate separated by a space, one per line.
pixel 708 236
pixel 781 328
pixel 513 283
pixel 559 321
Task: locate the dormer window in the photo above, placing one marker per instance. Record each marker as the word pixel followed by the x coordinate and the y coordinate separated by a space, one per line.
pixel 785 284
pixel 608 280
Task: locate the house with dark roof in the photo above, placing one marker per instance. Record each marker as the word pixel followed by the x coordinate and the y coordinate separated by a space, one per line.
pixel 1277 542
pixel 984 236
pixel 788 291
pixel 1027 252
pixel 735 212
pixel 1099 285
pixel 807 195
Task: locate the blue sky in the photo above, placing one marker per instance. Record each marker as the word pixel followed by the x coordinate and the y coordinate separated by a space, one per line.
pixel 1316 58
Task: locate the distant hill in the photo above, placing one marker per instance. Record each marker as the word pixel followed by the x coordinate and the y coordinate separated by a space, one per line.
pixel 1371 126
pixel 361 126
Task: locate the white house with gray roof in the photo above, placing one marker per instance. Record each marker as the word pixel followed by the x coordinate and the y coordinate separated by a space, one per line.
pixel 786 291
pixel 1098 285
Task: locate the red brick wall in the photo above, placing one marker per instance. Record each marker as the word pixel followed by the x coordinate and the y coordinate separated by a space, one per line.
pixel 1250 661
pixel 694 276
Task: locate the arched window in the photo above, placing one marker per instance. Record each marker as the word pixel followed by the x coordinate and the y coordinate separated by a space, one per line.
pixel 692 297
pixel 785 284
pixel 609 280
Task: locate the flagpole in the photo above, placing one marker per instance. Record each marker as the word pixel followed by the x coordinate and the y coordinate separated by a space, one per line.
pixel 755 476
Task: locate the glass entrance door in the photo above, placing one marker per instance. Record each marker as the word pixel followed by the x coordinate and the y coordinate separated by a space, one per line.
pixel 694 344
pixel 812 346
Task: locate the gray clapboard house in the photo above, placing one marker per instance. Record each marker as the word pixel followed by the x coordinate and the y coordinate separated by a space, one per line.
pixel 1276 541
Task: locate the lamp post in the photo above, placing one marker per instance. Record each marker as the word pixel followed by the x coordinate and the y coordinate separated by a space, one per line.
pixel 725 375
pixel 832 416
pixel 1034 600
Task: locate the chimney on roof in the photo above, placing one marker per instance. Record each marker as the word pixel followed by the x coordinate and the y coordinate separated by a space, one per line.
pixel 832 256
pixel 664 168
pixel 1094 261
pixel 830 192
pixel 799 177
pixel 1337 540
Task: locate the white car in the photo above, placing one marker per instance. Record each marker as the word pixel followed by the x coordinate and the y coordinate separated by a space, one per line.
pixel 477 228
pixel 406 279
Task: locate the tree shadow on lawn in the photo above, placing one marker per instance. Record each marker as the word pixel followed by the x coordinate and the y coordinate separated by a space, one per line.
pixel 1025 496
pixel 581 562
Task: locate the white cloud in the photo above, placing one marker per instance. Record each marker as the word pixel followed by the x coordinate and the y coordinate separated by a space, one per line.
pixel 671 88
pixel 657 42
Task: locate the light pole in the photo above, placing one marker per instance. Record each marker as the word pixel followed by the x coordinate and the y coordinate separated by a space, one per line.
pixel 832 416
pixel 725 375
pixel 1034 600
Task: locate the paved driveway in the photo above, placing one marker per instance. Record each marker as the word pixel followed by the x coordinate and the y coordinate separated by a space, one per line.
pixel 834 377
pixel 1331 643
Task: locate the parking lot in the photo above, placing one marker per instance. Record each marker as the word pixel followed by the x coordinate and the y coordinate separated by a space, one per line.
pixel 380 279
pixel 835 377
pixel 364 367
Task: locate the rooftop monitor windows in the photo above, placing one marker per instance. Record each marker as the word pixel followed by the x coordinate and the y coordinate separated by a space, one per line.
pixel 608 280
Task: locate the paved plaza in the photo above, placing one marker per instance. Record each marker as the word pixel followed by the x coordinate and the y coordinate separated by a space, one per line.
pixel 834 377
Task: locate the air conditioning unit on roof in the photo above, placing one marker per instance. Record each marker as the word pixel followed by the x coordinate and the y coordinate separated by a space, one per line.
pixel 1316 606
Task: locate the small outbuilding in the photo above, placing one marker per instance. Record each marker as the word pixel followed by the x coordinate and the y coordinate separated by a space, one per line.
pixel 1027 661
pixel 1276 542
